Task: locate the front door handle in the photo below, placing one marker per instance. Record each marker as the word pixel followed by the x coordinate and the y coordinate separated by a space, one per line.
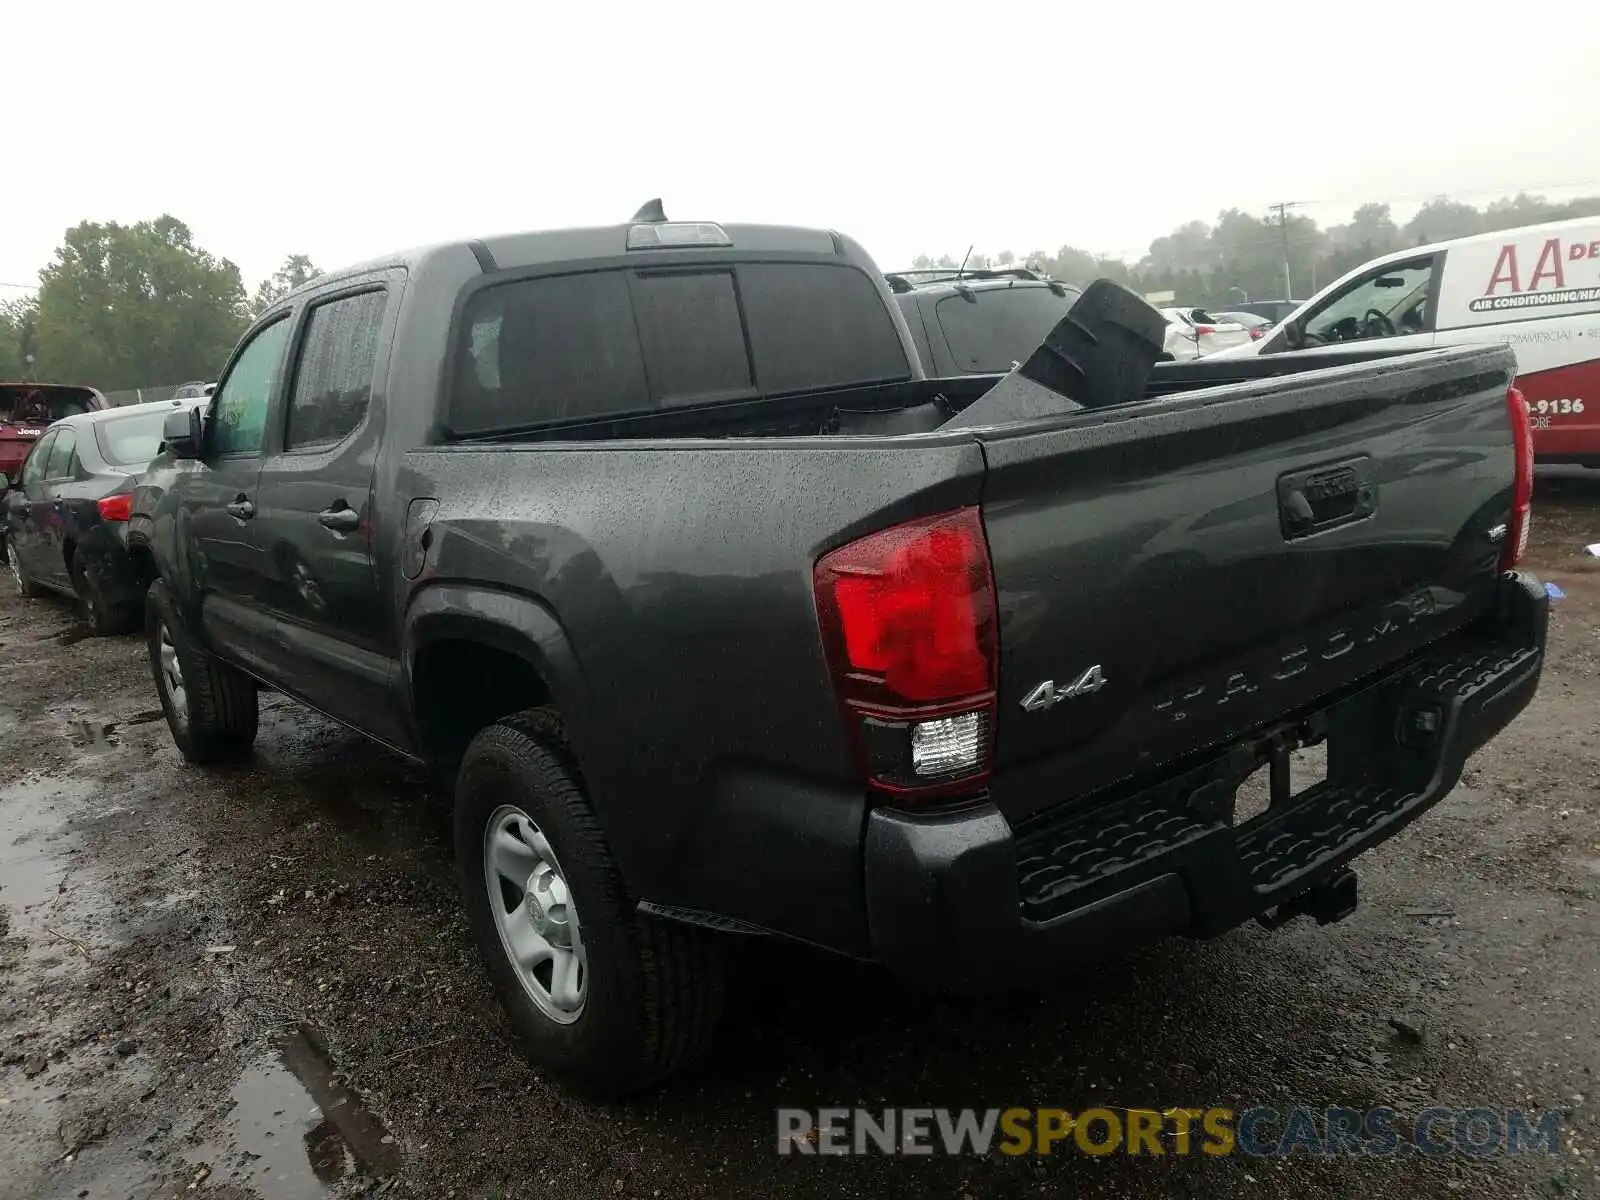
pixel 241 509
pixel 340 520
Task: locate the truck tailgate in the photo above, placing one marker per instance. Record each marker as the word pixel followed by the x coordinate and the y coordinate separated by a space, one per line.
pixel 1175 574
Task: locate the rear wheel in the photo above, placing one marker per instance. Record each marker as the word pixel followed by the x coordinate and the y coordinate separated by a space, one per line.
pixel 607 999
pixel 104 618
pixel 20 578
pixel 210 706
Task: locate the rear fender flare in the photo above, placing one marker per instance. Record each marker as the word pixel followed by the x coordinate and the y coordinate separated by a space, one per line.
pixel 507 621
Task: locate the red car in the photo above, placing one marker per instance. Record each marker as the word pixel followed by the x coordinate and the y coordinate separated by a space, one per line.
pixel 26 409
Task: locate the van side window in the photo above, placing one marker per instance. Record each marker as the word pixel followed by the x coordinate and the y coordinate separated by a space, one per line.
pixel 1392 302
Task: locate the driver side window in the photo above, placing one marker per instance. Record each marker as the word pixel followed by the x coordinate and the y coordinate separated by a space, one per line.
pixel 1392 302
pixel 33 469
pixel 239 412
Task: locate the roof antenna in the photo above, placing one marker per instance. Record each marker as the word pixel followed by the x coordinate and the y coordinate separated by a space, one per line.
pixel 962 269
pixel 650 213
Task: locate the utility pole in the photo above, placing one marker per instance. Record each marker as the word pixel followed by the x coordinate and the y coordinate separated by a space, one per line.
pixel 1283 207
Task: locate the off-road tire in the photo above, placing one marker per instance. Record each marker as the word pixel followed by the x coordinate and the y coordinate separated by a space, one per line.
pixel 221 701
pixel 654 988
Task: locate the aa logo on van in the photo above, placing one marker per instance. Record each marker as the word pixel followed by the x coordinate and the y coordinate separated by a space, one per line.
pixel 1548 285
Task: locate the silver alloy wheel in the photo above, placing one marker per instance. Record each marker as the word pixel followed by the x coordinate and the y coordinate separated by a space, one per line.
pixel 172 675
pixel 534 914
pixel 15 564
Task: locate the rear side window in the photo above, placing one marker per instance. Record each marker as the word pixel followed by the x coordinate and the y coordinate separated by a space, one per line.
pixel 578 347
pixel 333 382
pixel 814 326
pixel 998 327
pixel 63 456
pixel 131 441
pixel 548 349
pixel 692 337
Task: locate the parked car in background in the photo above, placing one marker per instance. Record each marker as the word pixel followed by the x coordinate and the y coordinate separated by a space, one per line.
pixel 978 322
pixel 1273 310
pixel 65 515
pixel 1256 326
pixel 193 390
pixel 1195 333
pixel 1536 288
pixel 656 543
pixel 27 409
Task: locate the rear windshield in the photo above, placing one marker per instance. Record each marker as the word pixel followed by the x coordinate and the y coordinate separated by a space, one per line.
pixel 993 329
pixel 131 441
pixel 579 347
pixel 21 404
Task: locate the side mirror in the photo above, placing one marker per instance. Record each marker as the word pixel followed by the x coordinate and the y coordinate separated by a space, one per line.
pixel 5 483
pixel 1294 332
pixel 183 432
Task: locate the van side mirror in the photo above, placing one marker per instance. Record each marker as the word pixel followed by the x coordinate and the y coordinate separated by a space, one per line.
pixel 1294 332
pixel 183 432
pixel 5 484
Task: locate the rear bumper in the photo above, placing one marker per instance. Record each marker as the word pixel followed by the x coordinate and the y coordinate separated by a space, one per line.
pixel 104 551
pixel 964 900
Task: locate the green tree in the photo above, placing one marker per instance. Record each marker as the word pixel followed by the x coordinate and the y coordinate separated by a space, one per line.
pixel 1441 219
pixel 18 321
pixel 296 270
pixel 135 305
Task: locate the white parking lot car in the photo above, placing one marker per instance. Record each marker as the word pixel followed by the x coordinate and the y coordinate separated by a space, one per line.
pixel 1195 333
pixel 1536 288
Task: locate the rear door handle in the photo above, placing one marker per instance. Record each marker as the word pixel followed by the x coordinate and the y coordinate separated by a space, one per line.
pixel 241 509
pixel 340 520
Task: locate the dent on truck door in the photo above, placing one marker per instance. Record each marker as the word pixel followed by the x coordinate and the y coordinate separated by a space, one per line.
pixel 337 649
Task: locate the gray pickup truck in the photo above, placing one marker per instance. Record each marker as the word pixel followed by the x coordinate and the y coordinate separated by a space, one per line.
pixel 720 619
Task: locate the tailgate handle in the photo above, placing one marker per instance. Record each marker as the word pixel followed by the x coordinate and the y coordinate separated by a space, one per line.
pixel 1325 497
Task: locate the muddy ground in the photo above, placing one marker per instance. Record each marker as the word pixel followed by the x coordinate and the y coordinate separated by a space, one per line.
pixel 258 982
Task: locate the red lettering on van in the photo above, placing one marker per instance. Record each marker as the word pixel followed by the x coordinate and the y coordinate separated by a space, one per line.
pixel 1594 249
pixel 1551 255
pixel 1505 271
pixel 1577 251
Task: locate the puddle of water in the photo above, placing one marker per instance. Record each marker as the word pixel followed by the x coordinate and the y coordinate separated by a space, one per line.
pixel 296 1130
pixel 35 848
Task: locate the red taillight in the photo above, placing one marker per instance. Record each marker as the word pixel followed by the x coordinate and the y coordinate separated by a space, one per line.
pixel 908 621
pixel 1202 330
pixel 116 508
pixel 1256 335
pixel 1516 543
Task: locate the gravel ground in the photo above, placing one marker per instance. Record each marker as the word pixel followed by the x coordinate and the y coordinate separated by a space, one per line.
pixel 258 982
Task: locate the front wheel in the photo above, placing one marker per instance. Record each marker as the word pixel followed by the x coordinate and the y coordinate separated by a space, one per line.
pixel 210 707
pixel 607 999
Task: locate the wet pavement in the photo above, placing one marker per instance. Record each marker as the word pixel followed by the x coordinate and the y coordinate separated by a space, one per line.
pixel 257 982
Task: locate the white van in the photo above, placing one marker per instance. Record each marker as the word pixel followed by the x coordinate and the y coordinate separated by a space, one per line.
pixel 1537 288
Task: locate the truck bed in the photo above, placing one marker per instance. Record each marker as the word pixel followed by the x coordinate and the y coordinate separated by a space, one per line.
pixel 1147 540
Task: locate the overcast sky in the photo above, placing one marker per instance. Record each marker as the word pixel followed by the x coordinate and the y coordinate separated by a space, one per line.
pixel 343 129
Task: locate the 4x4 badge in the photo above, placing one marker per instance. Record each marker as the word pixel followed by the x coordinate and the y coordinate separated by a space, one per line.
pixel 1048 694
